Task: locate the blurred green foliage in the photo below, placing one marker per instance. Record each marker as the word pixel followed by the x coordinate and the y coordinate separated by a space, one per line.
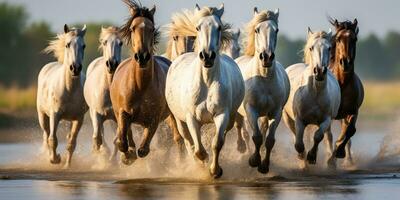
pixel 21 47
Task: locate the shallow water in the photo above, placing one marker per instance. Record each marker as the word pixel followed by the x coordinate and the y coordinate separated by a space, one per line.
pixel 26 174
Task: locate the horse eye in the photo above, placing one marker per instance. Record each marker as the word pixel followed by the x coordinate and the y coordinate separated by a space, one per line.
pixel 198 28
pixel 311 48
pixel 175 38
pixel 257 30
pixel 84 46
pixel 68 45
pixel 120 43
pixel 219 28
pixel 105 43
pixel 277 30
pixel 329 48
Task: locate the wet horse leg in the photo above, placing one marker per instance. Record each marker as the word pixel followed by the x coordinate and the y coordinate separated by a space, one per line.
pixel 194 130
pixel 177 137
pixel 97 123
pixel 241 144
pixel 299 134
pixel 331 161
pixel 71 143
pixel 122 139
pixel 115 150
pixel 252 116
pixel 318 137
pixel 148 134
pixel 184 132
pixel 349 157
pixel 348 130
pixel 221 122
pixel 44 124
pixel 270 142
pixel 52 140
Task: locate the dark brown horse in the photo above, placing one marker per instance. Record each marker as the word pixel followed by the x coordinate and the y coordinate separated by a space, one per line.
pixel 137 91
pixel 343 54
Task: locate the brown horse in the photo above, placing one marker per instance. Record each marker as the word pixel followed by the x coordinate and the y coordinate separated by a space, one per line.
pixel 137 91
pixel 343 54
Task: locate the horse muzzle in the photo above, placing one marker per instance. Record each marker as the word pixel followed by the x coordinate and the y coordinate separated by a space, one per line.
pixel 320 73
pixel 207 58
pixel 347 63
pixel 112 65
pixel 142 58
pixel 267 60
pixel 75 69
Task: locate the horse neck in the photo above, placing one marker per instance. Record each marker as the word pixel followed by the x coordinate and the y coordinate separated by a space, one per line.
pixel 71 83
pixel 209 75
pixel 143 77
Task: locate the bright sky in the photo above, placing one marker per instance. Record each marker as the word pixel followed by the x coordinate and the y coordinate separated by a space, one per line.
pixel 377 16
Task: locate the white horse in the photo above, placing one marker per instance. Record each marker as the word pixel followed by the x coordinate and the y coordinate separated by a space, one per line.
pixel 232 49
pixel 314 96
pixel 60 91
pixel 266 84
pixel 205 87
pixel 97 86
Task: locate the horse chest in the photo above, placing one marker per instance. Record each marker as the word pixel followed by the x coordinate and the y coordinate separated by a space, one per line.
pixel 210 102
pixel 311 110
pixel 264 96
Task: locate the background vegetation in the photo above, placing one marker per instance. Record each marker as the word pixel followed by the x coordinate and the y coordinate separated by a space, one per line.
pixel 21 58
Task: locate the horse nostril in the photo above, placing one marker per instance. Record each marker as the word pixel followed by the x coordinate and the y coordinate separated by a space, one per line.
pixel 108 63
pixel 213 55
pixel 261 56
pixel 272 57
pixel 201 55
pixel 136 56
pixel 71 67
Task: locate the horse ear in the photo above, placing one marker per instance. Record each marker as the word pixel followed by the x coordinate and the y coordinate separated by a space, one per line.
pixel 355 22
pixel 66 28
pixel 84 29
pixel 309 31
pixel 255 11
pixel 356 30
pixel 238 33
pixel 197 7
pixel 153 10
pixel 102 28
pixel 276 12
pixel 220 11
pixel 132 10
pixel 336 24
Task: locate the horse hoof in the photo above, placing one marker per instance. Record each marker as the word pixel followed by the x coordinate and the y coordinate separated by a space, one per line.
pixel 67 166
pixel 340 153
pixel 300 156
pixel 56 159
pixel 217 173
pixel 201 155
pixel 129 157
pixel 263 168
pixel 142 152
pixel 241 146
pixel 255 160
pixel 311 158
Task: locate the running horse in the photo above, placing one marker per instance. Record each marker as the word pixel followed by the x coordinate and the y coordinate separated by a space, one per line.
pixel 205 86
pixel 137 89
pixel 342 58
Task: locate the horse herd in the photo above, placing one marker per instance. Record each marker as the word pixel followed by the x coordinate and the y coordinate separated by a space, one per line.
pixel 203 84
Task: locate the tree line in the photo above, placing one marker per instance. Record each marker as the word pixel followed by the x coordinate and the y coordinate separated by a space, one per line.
pixel 21 45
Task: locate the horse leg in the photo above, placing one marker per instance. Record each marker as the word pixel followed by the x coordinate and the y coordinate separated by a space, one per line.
pixel 115 150
pixel 270 142
pixel 290 124
pixel 194 130
pixel 52 140
pixel 331 161
pixel 122 139
pixel 299 134
pixel 177 137
pixel 252 117
pixel 241 144
pixel 44 124
pixel 148 134
pixel 185 134
pixel 348 130
pixel 71 144
pixel 97 123
pixel 349 157
pixel 221 122
pixel 318 137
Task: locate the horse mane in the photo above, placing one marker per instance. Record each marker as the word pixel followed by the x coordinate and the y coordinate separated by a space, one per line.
pixel 259 18
pixel 310 41
pixel 226 35
pixel 139 11
pixel 105 32
pixel 57 45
